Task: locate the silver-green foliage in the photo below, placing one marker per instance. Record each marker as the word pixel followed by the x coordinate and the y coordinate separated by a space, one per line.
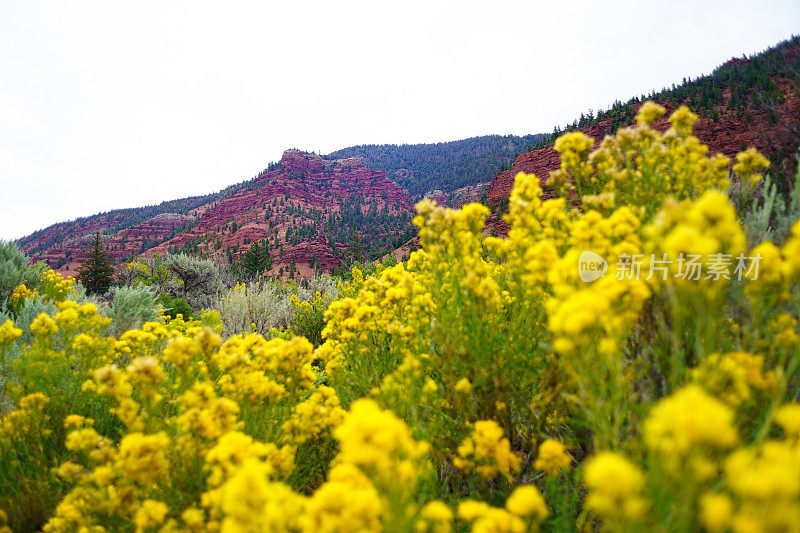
pixel 200 279
pixel 771 217
pixel 256 307
pixel 261 306
pixel 33 307
pixel 131 307
pixel 16 270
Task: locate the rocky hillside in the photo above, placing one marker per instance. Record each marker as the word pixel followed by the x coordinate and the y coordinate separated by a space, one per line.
pixel 47 241
pixel 438 169
pixel 745 102
pixel 309 212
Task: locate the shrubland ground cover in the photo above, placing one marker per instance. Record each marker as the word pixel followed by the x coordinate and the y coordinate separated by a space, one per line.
pixel 482 385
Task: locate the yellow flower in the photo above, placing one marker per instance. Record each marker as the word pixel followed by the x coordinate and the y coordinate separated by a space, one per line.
pixel 552 458
pixel 683 120
pixel 310 418
pixel 769 473
pixel 84 440
pixel 8 333
pixel 34 401
pixel 111 381
pixel 649 112
pixel 749 166
pixel 574 142
pixel 150 514
pixel 77 421
pixel 346 502
pixel 380 444
pixel 788 417
pixel 43 325
pixel 488 519
pixel 526 500
pixel 181 351
pixel 234 449
pixel 469 510
pixel 487 452
pixel 463 385
pixel 194 518
pixel 615 487
pixel 435 517
pixel 687 419
pixel 716 511
pixel 145 371
pixel 143 458
pixel 251 502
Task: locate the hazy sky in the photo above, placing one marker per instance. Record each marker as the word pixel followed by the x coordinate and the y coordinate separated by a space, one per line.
pixel 114 104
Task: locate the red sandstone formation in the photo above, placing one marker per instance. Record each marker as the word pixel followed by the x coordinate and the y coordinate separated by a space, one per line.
pixel 459 197
pixel 305 190
pixel 728 135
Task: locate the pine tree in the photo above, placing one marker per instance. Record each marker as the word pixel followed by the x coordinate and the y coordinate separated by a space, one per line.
pixel 96 272
pixel 256 259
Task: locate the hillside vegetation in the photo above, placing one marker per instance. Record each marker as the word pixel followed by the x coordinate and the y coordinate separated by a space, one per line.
pixel 308 214
pixel 444 166
pixel 118 220
pixel 485 384
pixel 747 102
pixel 739 86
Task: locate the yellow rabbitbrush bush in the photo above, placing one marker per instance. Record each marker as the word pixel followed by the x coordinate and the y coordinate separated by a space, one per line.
pixel 483 385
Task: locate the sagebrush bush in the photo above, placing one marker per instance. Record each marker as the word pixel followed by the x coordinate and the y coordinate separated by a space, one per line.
pixel 200 279
pixel 770 217
pixel 256 307
pixel 33 307
pixel 16 270
pixel 131 307
pixel 272 303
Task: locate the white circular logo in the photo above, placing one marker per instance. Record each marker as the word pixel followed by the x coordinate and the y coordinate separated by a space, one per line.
pixel 591 266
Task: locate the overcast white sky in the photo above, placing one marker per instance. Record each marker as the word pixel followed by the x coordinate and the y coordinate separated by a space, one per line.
pixel 112 104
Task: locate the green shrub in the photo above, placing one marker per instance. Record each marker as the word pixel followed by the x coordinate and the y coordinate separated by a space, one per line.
pixel 131 307
pixel 310 303
pixel 172 307
pixel 15 269
pixel 255 307
pixel 200 279
pixel 32 308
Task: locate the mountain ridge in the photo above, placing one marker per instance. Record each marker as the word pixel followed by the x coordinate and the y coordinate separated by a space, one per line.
pixel 745 102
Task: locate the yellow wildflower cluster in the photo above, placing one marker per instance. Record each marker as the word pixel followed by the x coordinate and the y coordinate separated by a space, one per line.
pixel 8 333
pixel 525 510
pixel 698 244
pixel 310 418
pixel 487 451
pixel 735 377
pixel 380 445
pixel 685 428
pixel 762 484
pixel 420 403
pixel 639 166
pixel 615 488
pixel 552 458
pixel 20 294
pixel 54 286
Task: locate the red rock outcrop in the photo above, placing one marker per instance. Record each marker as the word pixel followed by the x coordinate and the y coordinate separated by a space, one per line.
pixel 120 245
pixel 305 190
pixel 296 208
pixel 728 135
pixel 459 197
